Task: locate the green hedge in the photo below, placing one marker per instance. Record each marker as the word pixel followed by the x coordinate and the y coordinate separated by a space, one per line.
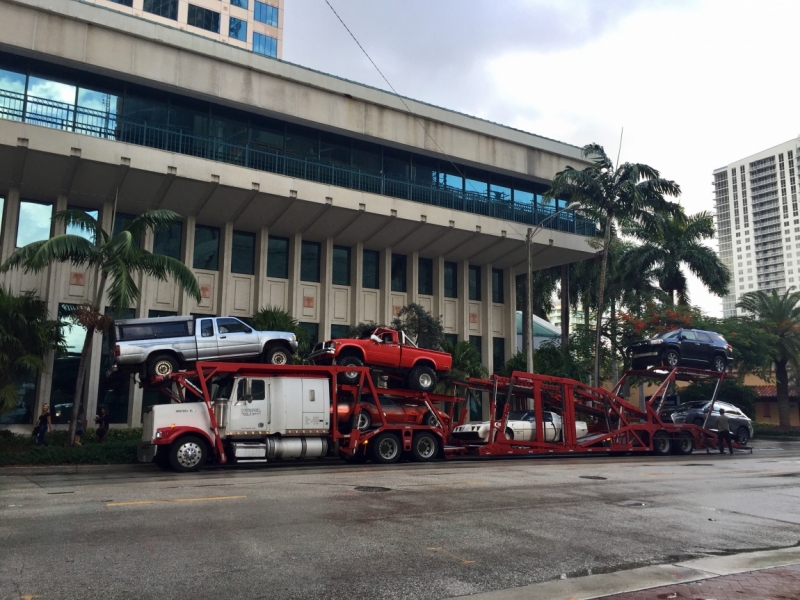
pixel 119 447
pixel 771 430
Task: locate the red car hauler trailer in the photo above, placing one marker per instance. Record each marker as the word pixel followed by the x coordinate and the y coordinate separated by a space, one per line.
pixel 259 412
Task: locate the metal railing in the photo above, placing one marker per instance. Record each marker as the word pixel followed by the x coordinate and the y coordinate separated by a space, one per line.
pixel 59 115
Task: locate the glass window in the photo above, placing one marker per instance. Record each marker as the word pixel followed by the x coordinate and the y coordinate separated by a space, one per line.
pixel 264 13
pixel 239 3
pixel 451 181
pixel 75 230
pixel 163 8
pixel 476 342
pixel 34 222
pixel 264 44
pixel 22 412
pixel 228 325
pixel 267 132
pixel 474 282
pixel 339 331
pixel 425 276
pixel 309 261
pixel 687 335
pixel 341 265
pixel 243 253
pixel 476 186
pixel 498 353
pixel 113 391
pixel 50 103
pixel 167 241
pixel 371 279
pixel 156 314
pixel 500 193
pixel 203 18
pixel 451 339
pixel 258 389
pixel 237 29
pixel 96 113
pixel 396 164
pixel 367 157
pixel 11 81
pixel 229 125
pixel 123 2
pixel 207 328
pixel 335 148
pixel 497 286
pixel 312 329
pixel 278 257
pixel 450 280
pixel 423 170
pixel 523 197
pixel 206 248
pixel 121 222
pixel 398 272
pixel 302 141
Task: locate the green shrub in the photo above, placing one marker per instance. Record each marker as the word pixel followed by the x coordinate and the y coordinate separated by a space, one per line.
pixel 119 447
pixel 771 430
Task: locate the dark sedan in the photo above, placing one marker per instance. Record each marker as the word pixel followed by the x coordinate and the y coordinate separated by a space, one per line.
pixel 684 347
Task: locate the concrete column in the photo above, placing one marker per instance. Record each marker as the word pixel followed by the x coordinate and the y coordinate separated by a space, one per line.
pixel 462 310
pixel 326 289
pixel 146 284
pixel 356 284
pixel 295 248
pixel 187 256
pixel 224 280
pixel 413 274
pixel 385 315
pixel 510 312
pixel 438 286
pixel 487 326
pixel 262 246
pixel 8 241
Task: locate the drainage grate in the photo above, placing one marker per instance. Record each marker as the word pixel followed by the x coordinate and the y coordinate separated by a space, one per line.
pixel 593 477
pixel 368 489
pixel 631 503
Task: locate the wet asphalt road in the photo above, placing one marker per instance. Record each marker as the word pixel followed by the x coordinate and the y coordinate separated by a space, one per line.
pixel 442 530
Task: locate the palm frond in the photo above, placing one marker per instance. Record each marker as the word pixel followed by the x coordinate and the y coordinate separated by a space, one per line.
pixel 163 267
pixel 64 248
pixel 152 220
pixel 74 217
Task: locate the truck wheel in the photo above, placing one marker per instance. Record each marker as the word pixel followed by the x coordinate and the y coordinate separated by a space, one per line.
pixel 187 454
pixel 278 356
pixel 661 444
pixel 386 448
pixel 422 378
pixel 430 420
pixel 684 445
pixel 162 365
pixel 350 377
pixel 161 459
pixel 363 421
pixel 425 447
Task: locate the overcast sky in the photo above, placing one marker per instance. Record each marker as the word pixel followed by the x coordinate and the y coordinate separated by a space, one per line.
pixel 696 84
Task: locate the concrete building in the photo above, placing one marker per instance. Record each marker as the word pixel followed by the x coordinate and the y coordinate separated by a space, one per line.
pixel 758 222
pixel 299 189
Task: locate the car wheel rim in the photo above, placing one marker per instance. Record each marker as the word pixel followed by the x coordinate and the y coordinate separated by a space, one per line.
pixel 661 444
pixel 672 359
pixel 163 368
pixel 189 455
pixel 744 438
pixel 719 365
pixel 363 421
pixel 425 380
pixel 279 358
pixel 387 449
pixel 425 447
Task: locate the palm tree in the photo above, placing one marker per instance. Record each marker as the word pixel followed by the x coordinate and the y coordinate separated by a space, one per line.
pixel 615 196
pixel 779 315
pixel 672 242
pixel 466 364
pixel 26 335
pixel 113 258
pixel 272 318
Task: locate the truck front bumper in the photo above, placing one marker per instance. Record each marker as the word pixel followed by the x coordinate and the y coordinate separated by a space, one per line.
pixel 322 356
pixel 146 453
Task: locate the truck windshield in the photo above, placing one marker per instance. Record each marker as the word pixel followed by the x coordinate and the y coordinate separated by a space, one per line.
pixel 222 388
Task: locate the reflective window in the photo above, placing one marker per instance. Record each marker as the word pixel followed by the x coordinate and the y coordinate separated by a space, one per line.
pixel 243 253
pixel 12 100
pixel 239 3
pixel 206 248
pixel 203 18
pixel 278 257
pixel 123 2
pixel 451 181
pixel 121 222
pixel 34 222
pixel 451 339
pixel 207 328
pixel 50 103
pixel 523 197
pixel 163 8
pixel 309 261
pixel 498 353
pixel 267 132
pixel 157 314
pixel 11 81
pixel 167 241
pixel 398 272
pixel 423 170
pixel 335 148
pixel 228 325
pixel 476 186
pixel 75 230
pixel 425 276
pixel 396 164
pixel 264 13
pixel 302 141
pixel 22 412
pixel 500 193
pixel 341 265
pixel 474 282
pixel 258 389
pixel 96 113
pixel 497 286
pixel 450 280
pixel 264 44
pixel 237 29
pixel 476 342
pixel 312 329
pixel 371 269
pixel 339 331
pixel 367 157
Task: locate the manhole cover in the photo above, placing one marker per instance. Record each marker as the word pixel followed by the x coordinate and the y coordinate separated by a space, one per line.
pixel 593 477
pixel 632 503
pixel 372 489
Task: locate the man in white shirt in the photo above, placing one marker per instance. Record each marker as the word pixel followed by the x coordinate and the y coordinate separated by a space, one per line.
pixel 724 431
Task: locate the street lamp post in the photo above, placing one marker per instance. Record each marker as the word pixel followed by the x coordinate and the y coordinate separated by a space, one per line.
pixel 532 231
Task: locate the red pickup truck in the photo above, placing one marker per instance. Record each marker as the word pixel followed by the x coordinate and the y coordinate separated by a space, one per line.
pixel 388 350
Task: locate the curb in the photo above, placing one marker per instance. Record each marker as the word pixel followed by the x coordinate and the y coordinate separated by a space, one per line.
pixel 643 578
pixel 33 470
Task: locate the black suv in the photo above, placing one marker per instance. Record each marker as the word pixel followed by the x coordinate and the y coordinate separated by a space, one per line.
pixel 686 347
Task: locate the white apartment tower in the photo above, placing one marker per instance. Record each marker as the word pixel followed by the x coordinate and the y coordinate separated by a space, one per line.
pixel 758 222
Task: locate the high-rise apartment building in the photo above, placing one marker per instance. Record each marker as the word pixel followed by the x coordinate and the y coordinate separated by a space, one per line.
pixel 758 222
pixel 250 24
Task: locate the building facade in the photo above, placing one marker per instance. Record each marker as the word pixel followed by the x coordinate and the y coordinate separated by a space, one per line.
pixel 298 189
pixel 758 222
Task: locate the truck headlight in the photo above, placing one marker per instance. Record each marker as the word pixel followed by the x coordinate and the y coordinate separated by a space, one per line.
pixel 294 337
pixel 158 435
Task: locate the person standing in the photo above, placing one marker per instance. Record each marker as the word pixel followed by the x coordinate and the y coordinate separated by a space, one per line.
pixel 44 426
pixel 103 421
pixel 80 426
pixel 724 431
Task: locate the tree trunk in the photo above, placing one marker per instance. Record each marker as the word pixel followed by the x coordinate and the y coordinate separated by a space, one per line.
pixel 600 290
pixel 782 381
pixel 564 306
pixel 613 327
pixel 587 311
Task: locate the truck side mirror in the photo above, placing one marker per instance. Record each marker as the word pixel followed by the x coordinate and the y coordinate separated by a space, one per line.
pixel 248 391
pixel 376 339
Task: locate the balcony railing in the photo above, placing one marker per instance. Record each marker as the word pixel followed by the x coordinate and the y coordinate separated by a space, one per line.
pixel 59 115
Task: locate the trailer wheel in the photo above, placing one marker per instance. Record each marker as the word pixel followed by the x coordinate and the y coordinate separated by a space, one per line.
pixel 425 447
pixel 430 420
pixel 363 421
pixel 661 443
pixel 350 377
pixel 742 436
pixel 162 365
pixel 422 378
pixel 510 434
pixel 187 454
pixel 684 444
pixel 386 448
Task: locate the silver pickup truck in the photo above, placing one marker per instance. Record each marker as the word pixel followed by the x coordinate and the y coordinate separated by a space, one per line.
pixel 162 345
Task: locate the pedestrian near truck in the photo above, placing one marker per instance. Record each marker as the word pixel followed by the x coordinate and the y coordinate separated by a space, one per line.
pixel 80 426
pixel 724 431
pixel 45 425
pixel 103 421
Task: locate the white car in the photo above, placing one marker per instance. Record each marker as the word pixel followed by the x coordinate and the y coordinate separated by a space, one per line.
pixel 521 425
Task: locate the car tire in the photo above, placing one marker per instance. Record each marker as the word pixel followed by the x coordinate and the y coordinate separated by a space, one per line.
pixel 510 434
pixel 363 421
pixel 662 445
pixel 425 447
pixel 422 379
pixel 162 365
pixel 672 358
pixel 698 422
pixel 187 453
pixel 277 356
pixel 350 377
pixel 718 364
pixel 386 448
pixel 743 436
pixel 431 420
pixel 684 443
